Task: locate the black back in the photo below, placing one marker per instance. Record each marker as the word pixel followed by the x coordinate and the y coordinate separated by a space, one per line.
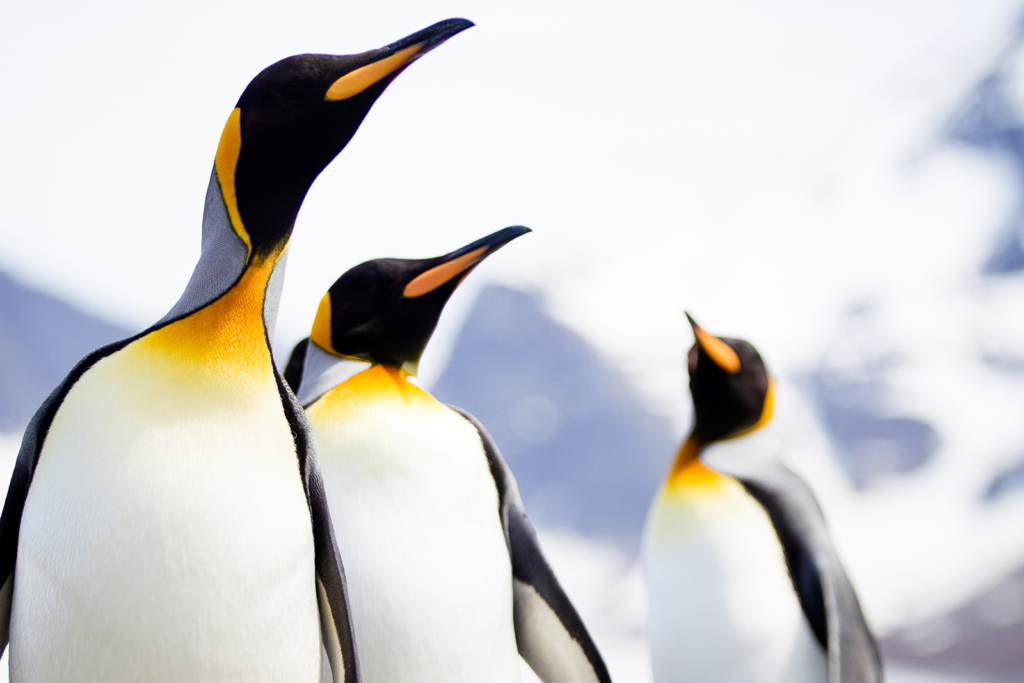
pixel 826 595
pixel 530 567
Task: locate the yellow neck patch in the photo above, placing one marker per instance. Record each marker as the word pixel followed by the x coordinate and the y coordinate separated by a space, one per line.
pixel 689 473
pixel 365 392
pixel 228 149
pixel 226 337
pixel 688 452
pixel 696 478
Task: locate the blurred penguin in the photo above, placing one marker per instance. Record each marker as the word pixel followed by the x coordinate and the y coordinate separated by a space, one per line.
pixel 446 577
pixel 744 584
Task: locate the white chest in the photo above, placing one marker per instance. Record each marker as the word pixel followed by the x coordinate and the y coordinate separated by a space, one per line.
pixel 722 606
pixel 416 516
pixel 166 537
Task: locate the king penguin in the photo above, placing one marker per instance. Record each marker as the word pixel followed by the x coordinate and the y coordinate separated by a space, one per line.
pixel 446 577
pixel 743 581
pixel 166 519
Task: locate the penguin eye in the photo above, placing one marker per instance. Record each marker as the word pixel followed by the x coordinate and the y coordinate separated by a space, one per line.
pixel 290 93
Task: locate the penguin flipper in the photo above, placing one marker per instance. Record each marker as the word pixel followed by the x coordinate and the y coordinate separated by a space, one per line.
pixel 21 478
pixel 550 635
pixel 14 505
pixel 826 594
pixel 331 589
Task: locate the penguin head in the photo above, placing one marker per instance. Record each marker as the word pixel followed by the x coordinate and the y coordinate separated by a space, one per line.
pixel 293 119
pixel 729 384
pixel 384 311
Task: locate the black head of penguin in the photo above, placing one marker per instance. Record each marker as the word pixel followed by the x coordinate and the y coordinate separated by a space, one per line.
pixel 729 385
pixel 385 310
pixel 296 116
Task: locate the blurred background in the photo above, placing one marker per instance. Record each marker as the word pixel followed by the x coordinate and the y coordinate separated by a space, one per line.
pixel 842 184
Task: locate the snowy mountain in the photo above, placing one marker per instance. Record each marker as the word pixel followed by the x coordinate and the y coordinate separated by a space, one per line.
pixel 984 635
pixel 990 120
pixel 851 394
pixel 586 453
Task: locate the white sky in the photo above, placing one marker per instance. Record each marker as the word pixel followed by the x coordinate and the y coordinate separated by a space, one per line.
pixel 608 128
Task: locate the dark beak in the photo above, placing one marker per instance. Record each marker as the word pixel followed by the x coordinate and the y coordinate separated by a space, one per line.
pixel 459 262
pixel 391 60
pixel 428 38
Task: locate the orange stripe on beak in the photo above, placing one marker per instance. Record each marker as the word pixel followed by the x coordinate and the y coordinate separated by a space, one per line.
pixel 720 352
pixel 427 282
pixel 355 82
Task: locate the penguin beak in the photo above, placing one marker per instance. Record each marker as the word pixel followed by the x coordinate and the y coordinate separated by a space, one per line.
pixel 390 60
pixel 460 262
pixel 714 348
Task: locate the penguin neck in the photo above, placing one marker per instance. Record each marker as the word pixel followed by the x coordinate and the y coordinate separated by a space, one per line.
pixel 694 446
pixel 226 263
pixel 751 450
pixel 322 371
pixel 703 465
pixel 228 310
pixel 760 434
pixel 380 394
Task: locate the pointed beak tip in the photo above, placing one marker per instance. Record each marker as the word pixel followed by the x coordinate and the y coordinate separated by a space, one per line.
pixel 457 25
pixel 519 230
pixel 506 235
pixel 442 31
pixel 392 59
pixel 693 323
